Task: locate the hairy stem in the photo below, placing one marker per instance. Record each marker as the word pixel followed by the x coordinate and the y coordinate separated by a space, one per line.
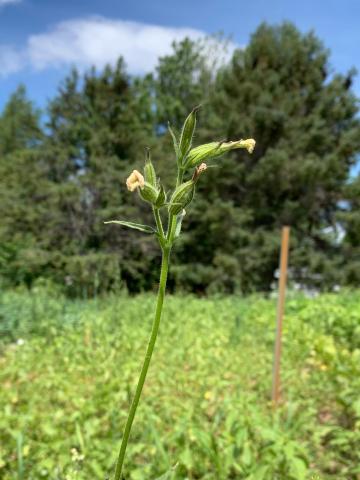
pixel 158 222
pixel 147 359
pixel 179 178
pixel 172 218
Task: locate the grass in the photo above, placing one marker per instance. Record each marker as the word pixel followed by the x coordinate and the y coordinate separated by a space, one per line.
pixel 68 370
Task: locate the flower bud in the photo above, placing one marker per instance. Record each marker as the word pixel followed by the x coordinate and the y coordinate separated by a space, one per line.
pixel 181 197
pixel 198 171
pixel 135 180
pixel 149 170
pixel 215 149
pixel 187 133
pixel 149 193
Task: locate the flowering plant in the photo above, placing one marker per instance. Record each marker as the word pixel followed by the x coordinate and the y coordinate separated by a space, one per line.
pixel 152 191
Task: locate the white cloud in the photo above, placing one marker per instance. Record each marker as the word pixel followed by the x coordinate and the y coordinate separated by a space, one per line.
pixel 11 60
pixel 97 41
pixel 7 2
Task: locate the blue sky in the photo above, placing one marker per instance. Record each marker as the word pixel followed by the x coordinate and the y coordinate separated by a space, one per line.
pixel 41 39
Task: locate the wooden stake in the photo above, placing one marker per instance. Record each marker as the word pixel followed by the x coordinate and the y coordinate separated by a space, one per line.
pixel 280 313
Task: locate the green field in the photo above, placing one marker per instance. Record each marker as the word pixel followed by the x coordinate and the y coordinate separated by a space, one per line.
pixel 68 370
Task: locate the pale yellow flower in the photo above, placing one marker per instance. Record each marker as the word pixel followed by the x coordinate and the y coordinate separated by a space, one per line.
pixel 249 144
pixel 135 180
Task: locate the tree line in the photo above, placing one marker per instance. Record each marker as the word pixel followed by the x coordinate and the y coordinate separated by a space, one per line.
pixel 63 171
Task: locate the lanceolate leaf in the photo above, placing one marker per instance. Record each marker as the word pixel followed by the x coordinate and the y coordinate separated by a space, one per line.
pixel 176 146
pixel 187 133
pixel 135 226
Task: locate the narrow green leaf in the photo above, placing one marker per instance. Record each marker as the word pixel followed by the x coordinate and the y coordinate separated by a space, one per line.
pixel 187 133
pixel 176 146
pixel 135 226
pixel 80 437
pixel 20 460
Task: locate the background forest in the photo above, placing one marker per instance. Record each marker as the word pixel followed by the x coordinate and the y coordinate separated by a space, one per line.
pixel 63 171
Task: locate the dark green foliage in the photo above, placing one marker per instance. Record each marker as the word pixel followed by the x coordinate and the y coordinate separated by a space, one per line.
pixel 96 128
pixel 183 81
pixel 60 183
pixel 22 192
pixel 19 124
pixel 349 218
pixel 279 91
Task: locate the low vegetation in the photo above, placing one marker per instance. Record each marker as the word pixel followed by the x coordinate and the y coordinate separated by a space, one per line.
pixel 68 371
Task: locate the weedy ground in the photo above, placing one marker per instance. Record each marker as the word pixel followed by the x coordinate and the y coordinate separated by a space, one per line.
pixel 68 370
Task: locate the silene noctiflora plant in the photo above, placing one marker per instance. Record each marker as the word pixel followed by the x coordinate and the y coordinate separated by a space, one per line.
pixel 191 162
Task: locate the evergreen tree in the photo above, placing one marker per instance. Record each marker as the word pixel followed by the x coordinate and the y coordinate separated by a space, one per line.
pixel 281 91
pixel 21 182
pixel 349 219
pixel 183 80
pixel 19 124
pixel 97 127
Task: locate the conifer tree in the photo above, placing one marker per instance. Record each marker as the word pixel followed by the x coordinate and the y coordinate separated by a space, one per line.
pixel 97 125
pixel 21 182
pixel 281 89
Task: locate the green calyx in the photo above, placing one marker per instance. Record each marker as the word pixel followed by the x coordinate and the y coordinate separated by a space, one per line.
pixel 181 197
pixel 149 193
pixel 207 151
pixel 153 195
pixel 149 170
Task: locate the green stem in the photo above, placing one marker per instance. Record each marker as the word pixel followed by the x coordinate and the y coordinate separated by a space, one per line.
pixel 147 359
pixel 158 222
pixel 180 175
